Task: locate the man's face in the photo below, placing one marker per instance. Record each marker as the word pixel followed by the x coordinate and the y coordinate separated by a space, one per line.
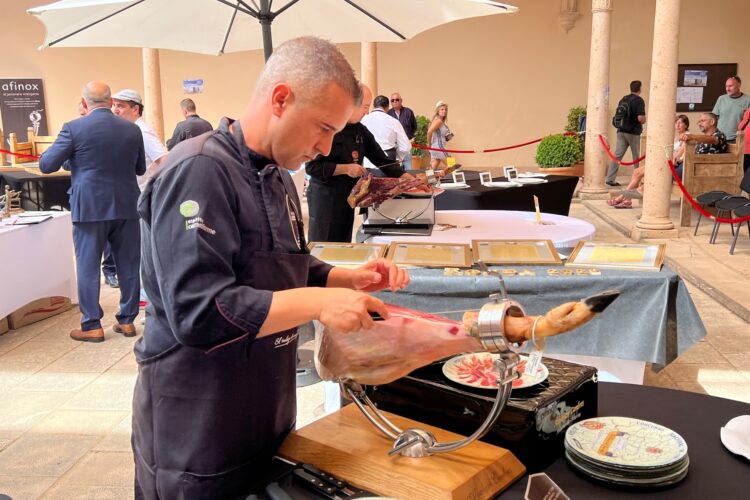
pixel 732 87
pixel 364 108
pixel 396 101
pixel 300 132
pixel 124 109
pixel 705 123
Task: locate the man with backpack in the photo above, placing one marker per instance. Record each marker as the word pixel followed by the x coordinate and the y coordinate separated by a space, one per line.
pixel 628 120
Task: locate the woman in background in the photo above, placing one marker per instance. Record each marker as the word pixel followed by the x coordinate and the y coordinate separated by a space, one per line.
pixel 634 189
pixel 437 135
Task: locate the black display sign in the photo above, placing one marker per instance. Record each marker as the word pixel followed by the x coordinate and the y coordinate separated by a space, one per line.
pixel 22 105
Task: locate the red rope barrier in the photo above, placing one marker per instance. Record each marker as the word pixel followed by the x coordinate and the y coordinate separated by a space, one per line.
pixel 696 205
pixel 20 155
pixel 614 159
pixel 444 150
pixel 471 151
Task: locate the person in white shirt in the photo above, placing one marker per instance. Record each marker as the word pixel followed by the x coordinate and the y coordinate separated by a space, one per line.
pixel 388 131
pixel 128 104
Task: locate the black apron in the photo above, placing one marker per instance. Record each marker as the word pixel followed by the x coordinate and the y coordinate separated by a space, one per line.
pixel 209 421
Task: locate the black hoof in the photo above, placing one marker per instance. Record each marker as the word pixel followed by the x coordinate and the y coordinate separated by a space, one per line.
pixel 600 301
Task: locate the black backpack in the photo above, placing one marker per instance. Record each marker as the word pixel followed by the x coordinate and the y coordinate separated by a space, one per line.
pixel 621 121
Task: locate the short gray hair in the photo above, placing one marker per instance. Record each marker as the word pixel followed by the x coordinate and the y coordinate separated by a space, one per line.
pixel 308 64
pixel 712 116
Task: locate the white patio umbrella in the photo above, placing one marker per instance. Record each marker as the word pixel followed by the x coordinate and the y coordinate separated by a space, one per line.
pixel 218 26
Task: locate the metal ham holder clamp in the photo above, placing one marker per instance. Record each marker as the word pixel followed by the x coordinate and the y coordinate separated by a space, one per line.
pixel 407 217
pixel 417 443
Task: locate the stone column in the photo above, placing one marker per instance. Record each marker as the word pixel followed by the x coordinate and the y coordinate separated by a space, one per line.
pixel 152 91
pixel 369 69
pixel 597 105
pixel 655 221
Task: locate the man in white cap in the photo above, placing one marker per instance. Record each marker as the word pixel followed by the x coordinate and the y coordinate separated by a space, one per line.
pixel 128 104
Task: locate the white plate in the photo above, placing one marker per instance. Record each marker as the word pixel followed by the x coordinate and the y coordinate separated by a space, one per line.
pixel 531 174
pixel 736 435
pixel 530 180
pixel 476 370
pixel 501 184
pixel 453 185
pixel 625 441
pixel 416 194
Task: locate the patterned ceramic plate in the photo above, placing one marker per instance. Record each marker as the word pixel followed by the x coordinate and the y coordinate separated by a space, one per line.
pixel 476 370
pixel 625 441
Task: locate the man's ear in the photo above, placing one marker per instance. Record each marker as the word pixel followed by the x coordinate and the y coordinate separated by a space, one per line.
pixel 281 98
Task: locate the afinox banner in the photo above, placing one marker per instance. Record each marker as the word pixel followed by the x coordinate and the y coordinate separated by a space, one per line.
pixel 22 105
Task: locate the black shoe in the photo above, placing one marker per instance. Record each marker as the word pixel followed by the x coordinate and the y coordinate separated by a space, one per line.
pixel 112 281
pixel 613 184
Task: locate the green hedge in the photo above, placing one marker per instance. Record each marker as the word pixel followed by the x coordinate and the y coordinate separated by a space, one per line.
pixel 558 151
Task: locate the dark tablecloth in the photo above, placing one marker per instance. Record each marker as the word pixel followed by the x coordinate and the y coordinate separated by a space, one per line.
pixel 554 196
pixel 39 192
pixel 714 471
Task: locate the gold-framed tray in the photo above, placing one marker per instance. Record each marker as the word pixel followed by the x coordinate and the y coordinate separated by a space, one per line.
pixel 524 252
pixel 633 256
pixel 429 254
pixel 347 254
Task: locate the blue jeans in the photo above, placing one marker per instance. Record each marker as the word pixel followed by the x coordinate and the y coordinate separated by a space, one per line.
pixel 407 161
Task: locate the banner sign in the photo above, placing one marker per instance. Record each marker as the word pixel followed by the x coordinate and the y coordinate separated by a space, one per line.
pixel 22 106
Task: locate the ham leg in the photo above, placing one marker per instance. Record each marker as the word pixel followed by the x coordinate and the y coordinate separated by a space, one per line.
pixel 411 339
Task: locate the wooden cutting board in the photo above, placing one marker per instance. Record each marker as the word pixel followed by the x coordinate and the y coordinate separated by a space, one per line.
pixel 347 445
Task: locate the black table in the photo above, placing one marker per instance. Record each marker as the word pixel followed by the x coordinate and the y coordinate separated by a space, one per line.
pixel 554 195
pixel 714 471
pixel 39 192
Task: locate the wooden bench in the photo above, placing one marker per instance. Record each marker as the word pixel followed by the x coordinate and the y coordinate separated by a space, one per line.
pixel 710 172
pixel 35 145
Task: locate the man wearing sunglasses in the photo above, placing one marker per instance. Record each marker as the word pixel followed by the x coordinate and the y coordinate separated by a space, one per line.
pixel 408 120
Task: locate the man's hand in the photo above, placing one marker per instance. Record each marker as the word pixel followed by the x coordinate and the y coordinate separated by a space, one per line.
pixel 347 310
pixel 378 275
pixel 350 169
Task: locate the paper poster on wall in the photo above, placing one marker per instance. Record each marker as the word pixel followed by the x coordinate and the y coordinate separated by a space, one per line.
pixel 22 106
pixel 689 95
pixel 696 78
pixel 192 86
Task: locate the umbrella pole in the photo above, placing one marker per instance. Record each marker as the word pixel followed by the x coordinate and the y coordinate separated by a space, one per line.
pixel 265 19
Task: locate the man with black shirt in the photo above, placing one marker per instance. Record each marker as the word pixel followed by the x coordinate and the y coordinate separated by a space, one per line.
pixel 192 126
pixel 629 120
pixel 710 141
pixel 333 176
pixel 407 119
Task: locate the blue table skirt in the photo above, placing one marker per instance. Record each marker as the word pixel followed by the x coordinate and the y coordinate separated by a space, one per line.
pixel 653 320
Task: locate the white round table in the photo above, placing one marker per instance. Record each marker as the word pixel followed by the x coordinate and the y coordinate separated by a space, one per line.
pixel 565 232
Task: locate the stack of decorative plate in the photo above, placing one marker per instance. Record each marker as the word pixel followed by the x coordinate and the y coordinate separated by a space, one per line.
pixel 627 451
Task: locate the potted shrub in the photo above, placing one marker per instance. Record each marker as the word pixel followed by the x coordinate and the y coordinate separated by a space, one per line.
pixel 560 153
pixel 420 157
pixel 577 123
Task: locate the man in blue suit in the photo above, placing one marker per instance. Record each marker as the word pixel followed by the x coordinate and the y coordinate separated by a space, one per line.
pixel 105 154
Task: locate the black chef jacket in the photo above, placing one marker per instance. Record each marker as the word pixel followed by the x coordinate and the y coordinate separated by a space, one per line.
pixel 331 218
pixel 221 232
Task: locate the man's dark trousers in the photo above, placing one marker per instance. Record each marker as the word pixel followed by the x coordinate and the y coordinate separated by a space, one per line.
pixel 124 239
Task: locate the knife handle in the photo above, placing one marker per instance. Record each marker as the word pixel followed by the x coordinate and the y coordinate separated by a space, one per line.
pixel 324 475
pixel 318 484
